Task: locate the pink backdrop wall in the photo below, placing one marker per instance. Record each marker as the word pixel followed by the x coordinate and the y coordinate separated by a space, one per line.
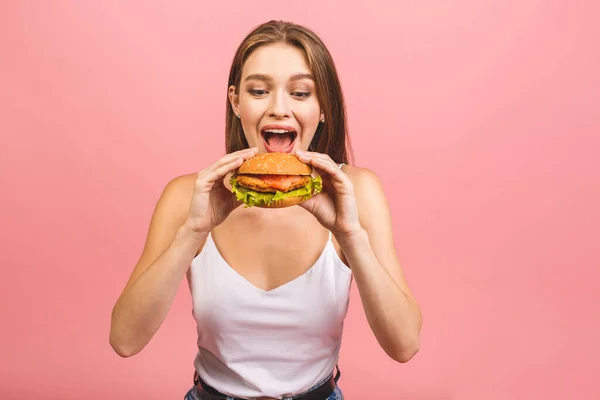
pixel 480 117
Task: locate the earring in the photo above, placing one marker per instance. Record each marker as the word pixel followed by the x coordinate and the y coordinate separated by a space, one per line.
pixel 238 116
pixel 323 120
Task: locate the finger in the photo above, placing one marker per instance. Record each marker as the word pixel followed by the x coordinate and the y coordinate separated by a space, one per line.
pixel 309 205
pixel 318 205
pixel 226 159
pixel 324 164
pixel 244 154
pixel 318 156
pixel 314 154
pixel 220 172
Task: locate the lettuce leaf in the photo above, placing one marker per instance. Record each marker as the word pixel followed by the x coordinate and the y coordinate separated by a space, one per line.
pixel 253 198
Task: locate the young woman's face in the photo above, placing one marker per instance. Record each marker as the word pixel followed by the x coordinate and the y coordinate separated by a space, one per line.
pixel 276 101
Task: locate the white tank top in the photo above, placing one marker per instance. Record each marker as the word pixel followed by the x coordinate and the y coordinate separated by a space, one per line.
pixel 275 343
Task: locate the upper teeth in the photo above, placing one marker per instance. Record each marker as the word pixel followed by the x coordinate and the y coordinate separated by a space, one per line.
pixel 277 131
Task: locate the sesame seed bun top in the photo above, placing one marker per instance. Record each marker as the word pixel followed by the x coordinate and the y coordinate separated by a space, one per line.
pixel 274 164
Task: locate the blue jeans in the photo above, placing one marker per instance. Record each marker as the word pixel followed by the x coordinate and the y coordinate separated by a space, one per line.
pixel 192 394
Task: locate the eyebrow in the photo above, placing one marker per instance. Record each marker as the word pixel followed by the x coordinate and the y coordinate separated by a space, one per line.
pixel 267 78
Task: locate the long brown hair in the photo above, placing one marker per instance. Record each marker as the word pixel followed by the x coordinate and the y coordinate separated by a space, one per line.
pixel 331 136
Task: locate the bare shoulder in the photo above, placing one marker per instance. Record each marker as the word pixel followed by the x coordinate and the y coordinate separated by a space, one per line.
pixel 368 190
pixel 174 203
pixel 179 190
pixel 360 175
pixel 175 198
pixel 169 214
pixel 375 218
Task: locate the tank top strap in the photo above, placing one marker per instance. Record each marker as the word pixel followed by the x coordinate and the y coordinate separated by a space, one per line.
pixel 340 165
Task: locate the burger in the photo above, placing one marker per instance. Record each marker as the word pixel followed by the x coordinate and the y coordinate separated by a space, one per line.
pixel 274 180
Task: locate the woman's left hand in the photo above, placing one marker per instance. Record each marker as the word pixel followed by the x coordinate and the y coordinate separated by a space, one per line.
pixel 335 207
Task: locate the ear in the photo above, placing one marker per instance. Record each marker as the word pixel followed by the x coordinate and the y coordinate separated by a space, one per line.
pixel 234 99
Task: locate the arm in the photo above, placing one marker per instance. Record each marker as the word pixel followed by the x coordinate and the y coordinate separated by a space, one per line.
pixel 390 308
pixel 169 249
pixel 189 208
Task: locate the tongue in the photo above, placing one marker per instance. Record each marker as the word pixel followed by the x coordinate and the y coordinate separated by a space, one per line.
pixel 279 142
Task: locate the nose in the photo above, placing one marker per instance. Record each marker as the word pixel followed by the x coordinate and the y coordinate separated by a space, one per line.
pixel 279 106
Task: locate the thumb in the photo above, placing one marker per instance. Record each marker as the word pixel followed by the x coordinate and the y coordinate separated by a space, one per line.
pixel 232 198
pixel 309 205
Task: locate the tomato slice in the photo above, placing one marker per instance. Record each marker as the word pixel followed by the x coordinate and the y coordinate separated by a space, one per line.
pixel 281 182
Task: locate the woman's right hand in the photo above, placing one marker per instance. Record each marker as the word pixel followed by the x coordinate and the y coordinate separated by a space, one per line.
pixel 211 201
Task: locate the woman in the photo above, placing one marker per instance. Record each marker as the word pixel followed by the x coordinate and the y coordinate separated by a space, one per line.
pixel 270 286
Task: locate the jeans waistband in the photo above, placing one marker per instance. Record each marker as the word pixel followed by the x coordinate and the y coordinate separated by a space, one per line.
pixel 321 391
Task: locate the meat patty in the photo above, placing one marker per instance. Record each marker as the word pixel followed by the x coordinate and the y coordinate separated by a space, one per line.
pixel 271 183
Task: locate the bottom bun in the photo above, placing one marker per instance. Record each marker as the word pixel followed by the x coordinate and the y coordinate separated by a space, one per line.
pixel 285 202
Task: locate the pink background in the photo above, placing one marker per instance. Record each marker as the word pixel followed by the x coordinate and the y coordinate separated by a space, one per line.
pixel 480 117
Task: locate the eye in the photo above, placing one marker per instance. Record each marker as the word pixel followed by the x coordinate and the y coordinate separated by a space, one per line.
pixel 257 92
pixel 302 95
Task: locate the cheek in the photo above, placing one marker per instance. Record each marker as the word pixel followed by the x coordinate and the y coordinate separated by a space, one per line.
pixel 309 112
pixel 310 121
pixel 312 112
pixel 251 110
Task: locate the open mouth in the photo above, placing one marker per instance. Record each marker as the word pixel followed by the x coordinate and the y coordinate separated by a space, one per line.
pixel 279 140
